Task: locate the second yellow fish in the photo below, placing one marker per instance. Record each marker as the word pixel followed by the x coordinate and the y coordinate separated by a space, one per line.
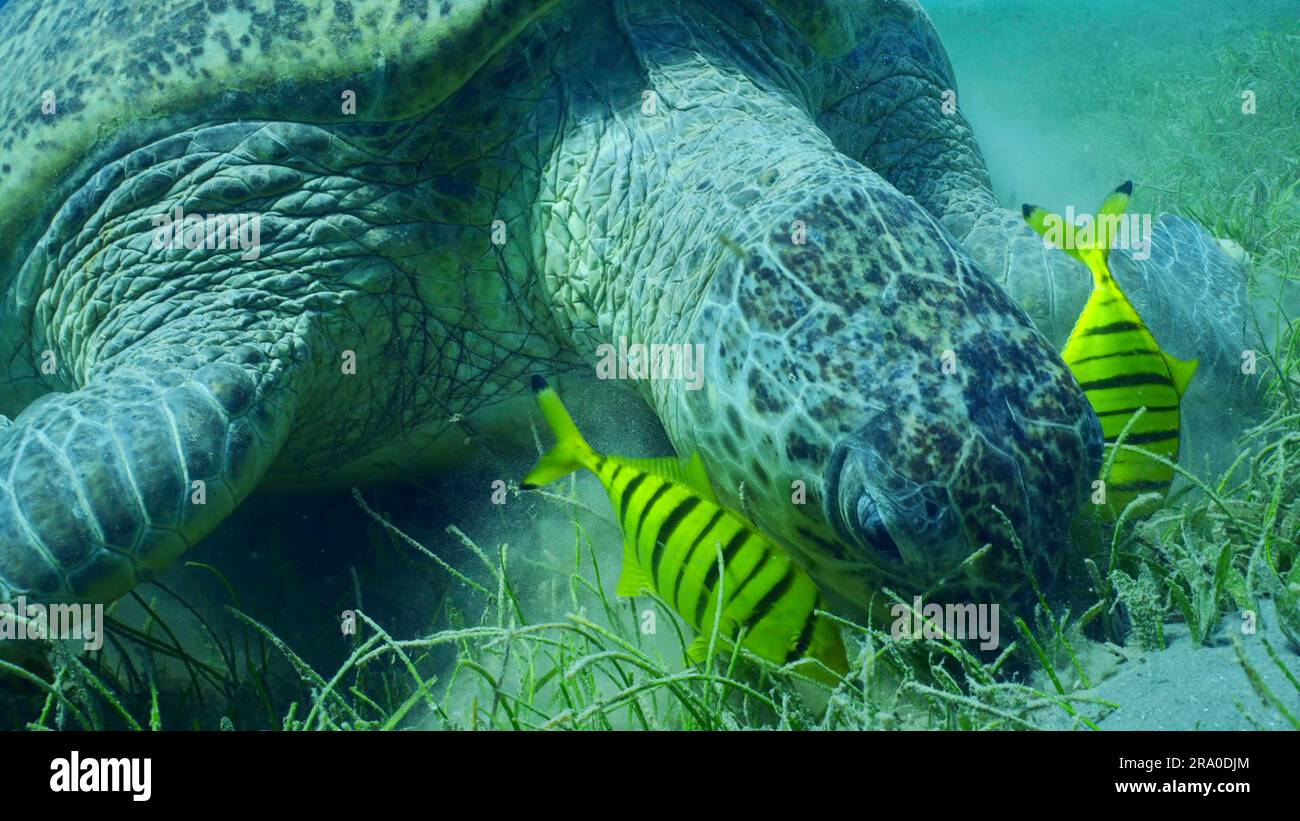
pixel 674 530
pixel 1119 364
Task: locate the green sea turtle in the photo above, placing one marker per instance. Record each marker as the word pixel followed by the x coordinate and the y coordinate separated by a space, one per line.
pixel 440 198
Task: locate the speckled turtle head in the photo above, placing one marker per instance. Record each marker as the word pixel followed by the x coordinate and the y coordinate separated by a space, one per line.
pixel 452 195
pixel 870 397
pixel 875 366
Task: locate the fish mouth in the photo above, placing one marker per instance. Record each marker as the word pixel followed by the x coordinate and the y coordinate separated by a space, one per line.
pixel 899 525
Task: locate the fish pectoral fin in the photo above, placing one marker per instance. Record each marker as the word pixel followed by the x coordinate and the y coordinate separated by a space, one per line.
pixel 632 581
pixel 698 651
pixel 1181 371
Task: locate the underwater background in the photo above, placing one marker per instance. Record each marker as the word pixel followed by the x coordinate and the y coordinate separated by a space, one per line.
pixel 475 614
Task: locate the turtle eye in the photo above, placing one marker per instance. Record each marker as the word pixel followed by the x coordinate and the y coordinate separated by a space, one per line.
pixel 873 528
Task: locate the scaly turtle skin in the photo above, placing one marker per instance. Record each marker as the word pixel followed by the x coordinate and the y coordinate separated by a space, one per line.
pixel 1191 293
pixel 853 345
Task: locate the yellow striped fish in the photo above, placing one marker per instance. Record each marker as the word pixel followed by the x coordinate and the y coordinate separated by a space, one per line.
pixel 673 527
pixel 1119 364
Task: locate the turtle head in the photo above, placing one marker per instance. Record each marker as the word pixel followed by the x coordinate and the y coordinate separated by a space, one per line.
pixel 864 393
pixel 887 409
pixel 959 455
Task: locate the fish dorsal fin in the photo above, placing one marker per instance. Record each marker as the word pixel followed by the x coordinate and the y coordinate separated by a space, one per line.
pixel 697 477
pixel 1180 371
pixel 689 472
pixel 632 581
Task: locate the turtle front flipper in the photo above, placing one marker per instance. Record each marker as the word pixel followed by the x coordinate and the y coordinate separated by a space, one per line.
pixel 106 486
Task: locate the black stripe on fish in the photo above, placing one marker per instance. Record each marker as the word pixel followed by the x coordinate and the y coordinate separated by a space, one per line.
pixel 1127 380
pixel 645 512
pixel 772 596
pixel 1114 328
pixel 1150 409
pixel 1139 485
pixel 730 596
pixel 1146 437
pixel 615 496
pixel 690 554
pixel 1134 352
pixel 728 553
pixel 628 493
pixel 666 529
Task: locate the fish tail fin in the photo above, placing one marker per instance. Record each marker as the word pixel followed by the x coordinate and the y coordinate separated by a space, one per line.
pixel 1109 225
pixel 1096 256
pixel 571 451
pixel 1109 216
pixel 1050 227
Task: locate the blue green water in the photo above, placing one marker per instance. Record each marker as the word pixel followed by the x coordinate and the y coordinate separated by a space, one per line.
pixel 1066 101
pixel 1025 70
